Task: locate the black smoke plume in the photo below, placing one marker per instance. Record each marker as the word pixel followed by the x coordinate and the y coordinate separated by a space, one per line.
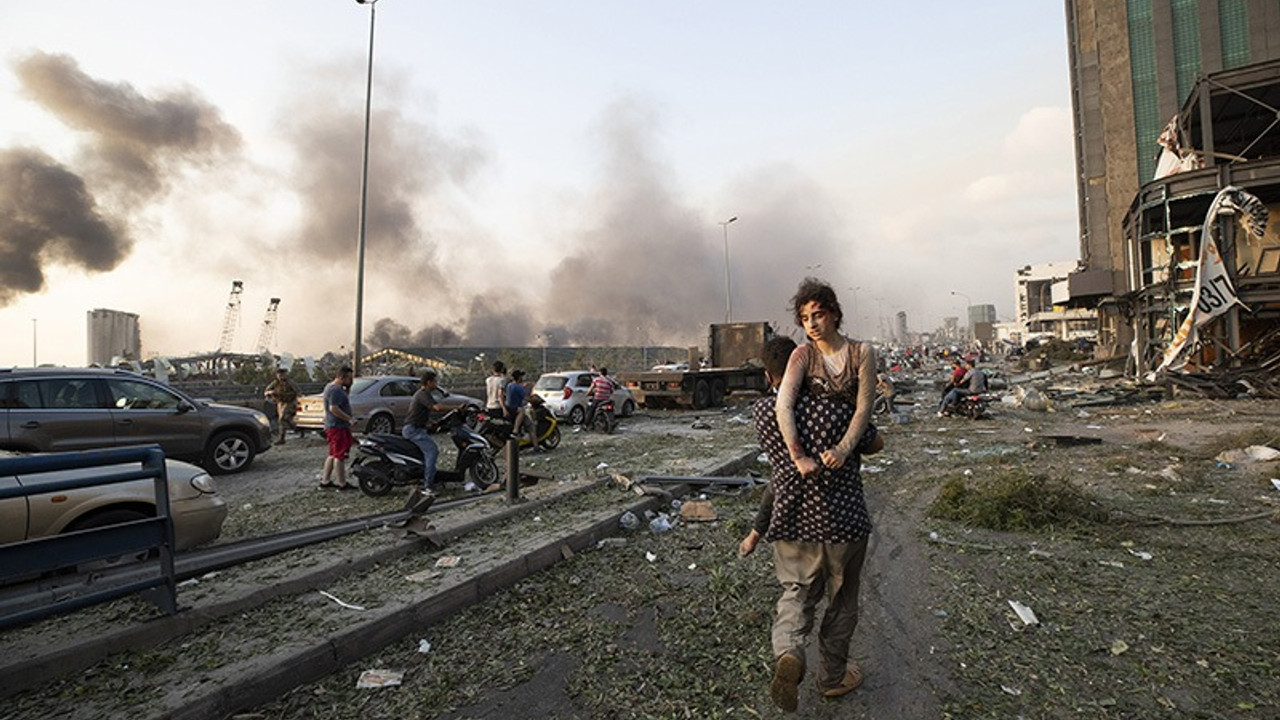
pixel 47 215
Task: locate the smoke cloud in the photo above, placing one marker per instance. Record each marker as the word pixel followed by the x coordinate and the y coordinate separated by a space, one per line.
pixel 646 267
pixel 47 215
pixel 133 146
pixel 135 143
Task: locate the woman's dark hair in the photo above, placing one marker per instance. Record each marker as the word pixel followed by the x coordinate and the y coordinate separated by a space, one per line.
pixel 814 290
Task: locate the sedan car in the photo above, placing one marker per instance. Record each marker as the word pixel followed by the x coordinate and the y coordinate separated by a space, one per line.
pixel 379 404
pixel 198 512
pixel 566 394
pixel 62 409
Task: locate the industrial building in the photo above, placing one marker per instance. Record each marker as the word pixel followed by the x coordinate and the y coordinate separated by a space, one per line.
pixel 1194 82
pixel 113 335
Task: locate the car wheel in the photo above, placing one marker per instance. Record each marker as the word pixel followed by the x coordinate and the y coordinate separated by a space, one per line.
pixel 577 415
pixel 381 423
pixel 228 452
pixel 628 409
pixel 105 519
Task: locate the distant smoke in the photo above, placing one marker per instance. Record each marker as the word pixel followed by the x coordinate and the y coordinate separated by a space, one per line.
pixel 48 216
pixel 647 268
pixel 411 165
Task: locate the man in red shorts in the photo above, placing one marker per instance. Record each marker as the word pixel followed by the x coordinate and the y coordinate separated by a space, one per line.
pixel 337 429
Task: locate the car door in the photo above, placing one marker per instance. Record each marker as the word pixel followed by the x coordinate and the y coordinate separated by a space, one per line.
pixel 398 396
pixel 59 414
pixel 146 412
pixel 13 513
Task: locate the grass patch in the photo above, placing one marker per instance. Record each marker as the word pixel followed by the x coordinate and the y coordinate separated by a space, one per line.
pixel 1014 500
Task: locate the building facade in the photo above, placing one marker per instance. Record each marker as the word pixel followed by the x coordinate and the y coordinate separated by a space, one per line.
pixel 1133 65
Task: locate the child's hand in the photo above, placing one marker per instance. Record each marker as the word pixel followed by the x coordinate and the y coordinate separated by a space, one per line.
pixel 807 466
pixel 748 544
pixel 833 458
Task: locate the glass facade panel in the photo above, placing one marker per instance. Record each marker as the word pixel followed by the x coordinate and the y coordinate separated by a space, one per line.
pixel 1233 24
pixel 1186 44
pixel 1142 62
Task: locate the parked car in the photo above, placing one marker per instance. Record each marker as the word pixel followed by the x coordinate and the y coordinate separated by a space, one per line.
pixel 380 404
pixel 198 512
pixel 60 409
pixel 566 395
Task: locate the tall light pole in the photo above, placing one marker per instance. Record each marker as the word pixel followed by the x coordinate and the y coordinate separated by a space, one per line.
pixel 364 189
pixel 968 304
pixel 853 316
pixel 728 297
pixel 33 344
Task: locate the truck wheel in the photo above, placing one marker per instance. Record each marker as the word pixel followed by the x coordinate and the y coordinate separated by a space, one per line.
pixel 717 392
pixel 701 395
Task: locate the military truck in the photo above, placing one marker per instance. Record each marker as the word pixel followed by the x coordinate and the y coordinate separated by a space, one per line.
pixel 732 364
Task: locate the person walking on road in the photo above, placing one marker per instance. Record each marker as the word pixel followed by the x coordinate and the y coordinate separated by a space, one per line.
pixel 337 429
pixel 819 530
pixel 285 395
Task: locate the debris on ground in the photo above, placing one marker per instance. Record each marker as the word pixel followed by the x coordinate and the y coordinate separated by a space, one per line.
pixel 698 511
pixel 342 603
pixel 1251 454
pixel 370 679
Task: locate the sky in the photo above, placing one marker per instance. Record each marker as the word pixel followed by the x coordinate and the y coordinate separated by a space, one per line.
pixel 555 172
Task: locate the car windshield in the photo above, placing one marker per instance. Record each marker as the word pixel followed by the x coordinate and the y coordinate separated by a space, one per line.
pixel 551 382
pixel 362 384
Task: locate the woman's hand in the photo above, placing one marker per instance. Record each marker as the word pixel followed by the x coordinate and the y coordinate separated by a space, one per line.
pixel 833 458
pixel 807 465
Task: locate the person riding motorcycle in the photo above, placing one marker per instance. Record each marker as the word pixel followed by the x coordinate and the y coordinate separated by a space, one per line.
pixel 602 388
pixel 974 382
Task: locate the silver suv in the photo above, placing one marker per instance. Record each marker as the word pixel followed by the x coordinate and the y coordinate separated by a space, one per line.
pixel 61 409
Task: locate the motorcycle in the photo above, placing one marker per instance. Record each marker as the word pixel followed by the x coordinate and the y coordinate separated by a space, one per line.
pixel 387 461
pixel 973 407
pixel 546 428
pixel 602 417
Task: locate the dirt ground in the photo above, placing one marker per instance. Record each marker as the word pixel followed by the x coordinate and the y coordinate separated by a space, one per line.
pixel 1157 603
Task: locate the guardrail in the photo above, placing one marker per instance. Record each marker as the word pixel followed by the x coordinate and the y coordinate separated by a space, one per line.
pixel 42 556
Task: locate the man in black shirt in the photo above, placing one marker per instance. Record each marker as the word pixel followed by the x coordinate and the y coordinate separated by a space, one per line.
pixel 416 430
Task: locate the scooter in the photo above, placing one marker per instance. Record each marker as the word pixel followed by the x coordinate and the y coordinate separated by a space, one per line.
pixel 602 417
pixel 387 461
pixel 547 429
pixel 973 407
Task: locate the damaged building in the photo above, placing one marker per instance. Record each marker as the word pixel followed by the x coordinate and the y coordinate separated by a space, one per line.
pixel 1146 183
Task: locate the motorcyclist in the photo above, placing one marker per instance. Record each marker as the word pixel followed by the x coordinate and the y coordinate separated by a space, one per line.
pixel 417 429
pixel 602 388
pixel 974 382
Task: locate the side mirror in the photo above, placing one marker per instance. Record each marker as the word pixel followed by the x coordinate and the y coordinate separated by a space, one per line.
pixel 185 407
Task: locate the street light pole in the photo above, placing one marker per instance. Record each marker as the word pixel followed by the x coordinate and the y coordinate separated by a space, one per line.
pixel 33 344
pixel 728 296
pixel 968 304
pixel 364 189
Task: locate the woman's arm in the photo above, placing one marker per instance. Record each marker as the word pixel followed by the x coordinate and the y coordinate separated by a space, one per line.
pixel 836 456
pixel 785 408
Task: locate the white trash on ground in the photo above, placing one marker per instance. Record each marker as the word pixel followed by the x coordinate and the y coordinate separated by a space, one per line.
pixel 379 678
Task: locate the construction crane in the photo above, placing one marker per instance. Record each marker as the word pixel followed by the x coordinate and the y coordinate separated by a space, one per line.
pixel 267 336
pixel 231 319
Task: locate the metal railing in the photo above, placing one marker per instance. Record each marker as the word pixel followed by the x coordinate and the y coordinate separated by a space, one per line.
pixel 42 556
